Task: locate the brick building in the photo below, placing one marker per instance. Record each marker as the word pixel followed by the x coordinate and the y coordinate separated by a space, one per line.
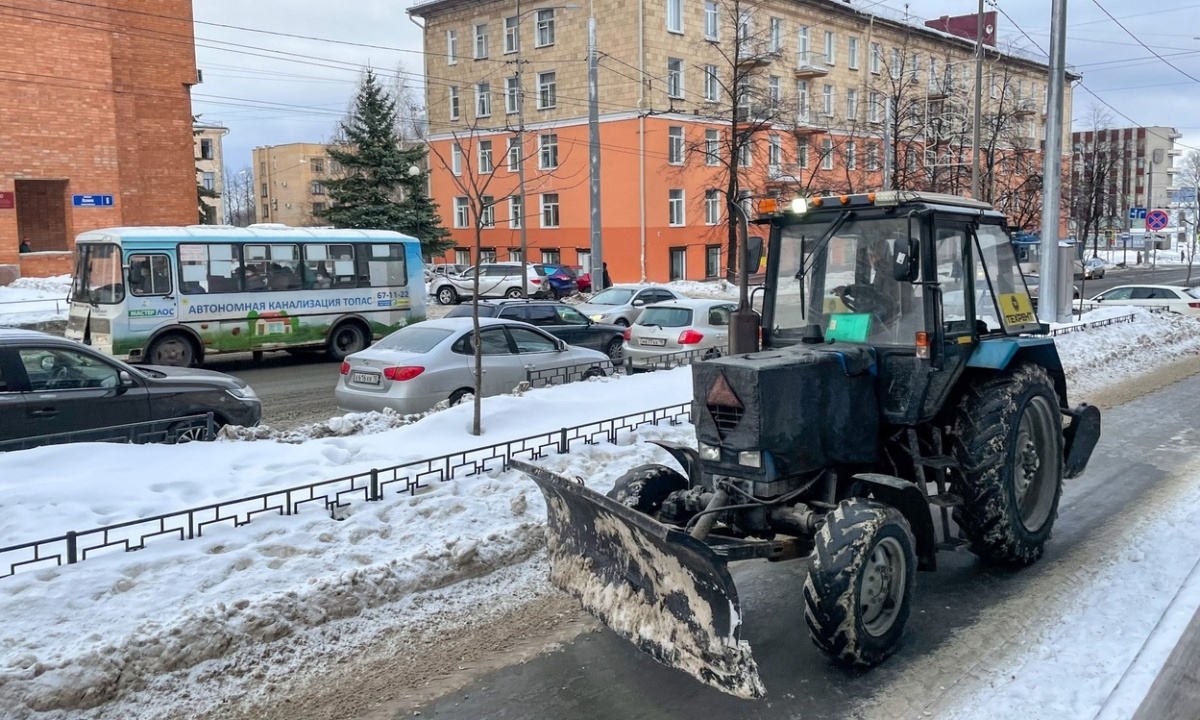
pixel 289 183
pixel 815 77
pixel 210 164
pixel 94 100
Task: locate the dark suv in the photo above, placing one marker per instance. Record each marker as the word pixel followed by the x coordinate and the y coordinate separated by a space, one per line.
pixel 560 320
pixel 51 385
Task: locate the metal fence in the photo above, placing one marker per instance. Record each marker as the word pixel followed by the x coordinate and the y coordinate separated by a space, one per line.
pixel 330 495
pixel 170 430
pixel 628 366
pixel 1090 325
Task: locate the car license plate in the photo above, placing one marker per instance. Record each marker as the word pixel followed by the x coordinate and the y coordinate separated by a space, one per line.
pixel 657 342
pixel 365 378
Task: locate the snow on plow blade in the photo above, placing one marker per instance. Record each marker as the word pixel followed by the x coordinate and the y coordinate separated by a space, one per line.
pixel 657 587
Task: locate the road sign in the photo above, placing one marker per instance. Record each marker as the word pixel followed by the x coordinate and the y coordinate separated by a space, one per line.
pixel 8 201
pixel 92 200
pixel 1156 220
pixel 1137 213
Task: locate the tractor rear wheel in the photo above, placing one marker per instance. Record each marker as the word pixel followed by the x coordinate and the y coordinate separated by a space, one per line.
pixel 1010 446
pixel 858 594
pixel 645 487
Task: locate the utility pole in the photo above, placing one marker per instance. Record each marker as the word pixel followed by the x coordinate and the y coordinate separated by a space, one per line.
pixel 975 131
pixel 597 245
pixel 1051 273
pixel 521 162
pixel 889 158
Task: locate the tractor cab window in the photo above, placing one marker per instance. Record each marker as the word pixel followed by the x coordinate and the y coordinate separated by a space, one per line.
pixel 949 242
pixel 843 283
pixel 1007 305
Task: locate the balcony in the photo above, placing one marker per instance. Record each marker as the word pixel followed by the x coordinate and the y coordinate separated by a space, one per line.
pixel 810 65
pixel 937 89
pixel 755 54
pixel 786 174
pixel 754 114
pixel 805 127
pixel 1025 108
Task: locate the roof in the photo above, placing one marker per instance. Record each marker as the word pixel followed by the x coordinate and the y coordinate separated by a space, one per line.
pixel 692 303
pixel 271 231
pixel 1148 285
pixel 460 323
pixel 18 334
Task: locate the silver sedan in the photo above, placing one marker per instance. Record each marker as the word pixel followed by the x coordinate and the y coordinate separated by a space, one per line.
pixel 621 304
pixel 418 366
pixel 676 327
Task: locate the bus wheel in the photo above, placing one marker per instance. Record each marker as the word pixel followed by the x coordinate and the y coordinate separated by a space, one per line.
pixel 346 340
pixel 172 349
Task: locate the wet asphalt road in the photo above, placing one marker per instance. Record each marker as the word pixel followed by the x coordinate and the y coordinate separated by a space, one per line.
pixel 600 677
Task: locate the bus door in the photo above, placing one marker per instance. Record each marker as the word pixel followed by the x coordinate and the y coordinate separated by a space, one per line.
pixel 151 301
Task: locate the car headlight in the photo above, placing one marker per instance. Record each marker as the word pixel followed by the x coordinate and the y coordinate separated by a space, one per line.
pixel 750 458
pixel 710 452
pixel 243 393
pixel 596 318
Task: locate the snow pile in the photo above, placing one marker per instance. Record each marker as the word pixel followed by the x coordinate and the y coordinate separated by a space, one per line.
pixel 717 289
pixel 364 423
pixel 56 286
pixel 27 301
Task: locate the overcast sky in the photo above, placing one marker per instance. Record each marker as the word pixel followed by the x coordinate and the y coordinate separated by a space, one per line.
pixel 266 96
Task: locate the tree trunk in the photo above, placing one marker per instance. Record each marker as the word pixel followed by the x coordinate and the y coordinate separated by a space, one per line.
pixel 731 191
pixel 477 422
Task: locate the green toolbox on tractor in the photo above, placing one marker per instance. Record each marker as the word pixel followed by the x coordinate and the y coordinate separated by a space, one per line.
pixel 903 383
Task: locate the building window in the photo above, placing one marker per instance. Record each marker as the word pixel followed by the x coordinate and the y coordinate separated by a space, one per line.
pixel 746 154
pixel 206 149
pixel 481 41
pixel 995 86
pixel 830 47
pixel 462 217
pixel 512 37
pixel 774 153
pixel 876 58
pixel 827 100
pixel 675 16
pixel 487 215
pixel 712 21
pixel 264 190
pixel 545 27
pixel 547 90
pixel 802 153
pixel 675 145
pixel 316 188
pixel 674 77
pixel 743 28
pixel 451 47
pixel 712 147
pixel 548 152
pixel 774 92
pixel 515 215
pixel 318 208
pixel 266 213
pixel 852 105
pixel 712 261
pixel 317 165
pixel 712 87
pixel 462 256
pixel 514 155
pixel 826 154
pixel 487 255
pixel 874 105
pixel 896 68
pixel 551 257
pixel 512 95
pixel 550 210
pixel 675 208
pixel 483 99
pixel 852 53
pixel 914 67
pixel 584 258
pixel 485 156
pixel 208 180
pixel 712 207
pixel 515 255
pixel 456 158
pixel 453 92
pixel 851 155
pixel 873 157
pixel 776 35
pixel 678 263
pixel 802 100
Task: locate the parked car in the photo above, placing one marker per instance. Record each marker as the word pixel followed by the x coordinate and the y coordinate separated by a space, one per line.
pixel 418 366
pixel 495 280
pixel 1182 300
pixel 679 326
pixel 582 280
pixel 444 269
pixel 562 321
pixel 1033 282
pixel 51 385
pixel 622 304
pixel 561 280
pixel 1090 269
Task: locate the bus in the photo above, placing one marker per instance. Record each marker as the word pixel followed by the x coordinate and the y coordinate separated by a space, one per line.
pixel 175 295
pixel 1028 248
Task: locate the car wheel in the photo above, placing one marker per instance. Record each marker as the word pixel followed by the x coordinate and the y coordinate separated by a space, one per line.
pixel 457 396
pixel 172 349
pixel 446 295
pixel 614 350
pixel 346 340
pixel 181 433
pixel 621 321
pixel 513 293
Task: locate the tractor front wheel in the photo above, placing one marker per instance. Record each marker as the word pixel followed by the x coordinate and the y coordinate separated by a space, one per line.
pixel 1010 446
pixel 646 487
pixel 858 594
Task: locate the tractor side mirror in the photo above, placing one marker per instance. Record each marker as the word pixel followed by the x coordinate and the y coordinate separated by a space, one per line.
pixel 754 249
pixel 906 262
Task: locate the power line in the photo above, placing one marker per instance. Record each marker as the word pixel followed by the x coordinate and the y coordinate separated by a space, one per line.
pixel 1153 52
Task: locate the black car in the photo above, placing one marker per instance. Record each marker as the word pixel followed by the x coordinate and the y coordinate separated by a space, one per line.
pixel 51 385
pixel 561 321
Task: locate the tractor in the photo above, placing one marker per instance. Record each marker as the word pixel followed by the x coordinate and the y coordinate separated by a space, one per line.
pixel 904 399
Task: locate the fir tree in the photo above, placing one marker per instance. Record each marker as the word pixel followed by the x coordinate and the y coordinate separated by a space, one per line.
pixel 375 166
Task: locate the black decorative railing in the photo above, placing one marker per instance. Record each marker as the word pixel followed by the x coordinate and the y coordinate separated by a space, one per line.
pixel 169 430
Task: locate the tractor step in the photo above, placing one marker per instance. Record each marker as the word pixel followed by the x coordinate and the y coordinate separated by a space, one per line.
pixel 951 544
pixel 946 500
pixel 937 462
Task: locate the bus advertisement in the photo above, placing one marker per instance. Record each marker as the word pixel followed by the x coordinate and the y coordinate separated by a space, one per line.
pixel 174 295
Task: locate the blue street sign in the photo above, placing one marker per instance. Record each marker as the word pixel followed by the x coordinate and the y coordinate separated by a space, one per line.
pixel 92 200
pixel 1137 213
pixel 1156 220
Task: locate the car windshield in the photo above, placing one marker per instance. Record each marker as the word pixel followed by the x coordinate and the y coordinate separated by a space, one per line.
pixel 1193 292
pixel 613 296
pixel 98 278
pixel 667 317
pixel 465 311
pixel 415 339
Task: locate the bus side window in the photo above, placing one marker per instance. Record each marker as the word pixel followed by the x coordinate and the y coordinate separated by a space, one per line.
pixel 327 266
pixel 209 268
pixel 386 266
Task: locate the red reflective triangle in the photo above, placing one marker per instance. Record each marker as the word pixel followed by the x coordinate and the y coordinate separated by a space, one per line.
pixel 722 395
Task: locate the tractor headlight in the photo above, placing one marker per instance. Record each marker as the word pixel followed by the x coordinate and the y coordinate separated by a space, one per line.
pixel 710 452
pixel 750 458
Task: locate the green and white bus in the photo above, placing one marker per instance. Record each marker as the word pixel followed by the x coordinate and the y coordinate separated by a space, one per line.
pixel 174 295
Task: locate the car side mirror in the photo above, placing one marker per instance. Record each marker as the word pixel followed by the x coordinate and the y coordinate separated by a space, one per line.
pixel 906 261
pixel 638 303
pixel 127 379
pixel 562 345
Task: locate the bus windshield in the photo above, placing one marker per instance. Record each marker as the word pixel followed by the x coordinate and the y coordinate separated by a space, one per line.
pixel 98 277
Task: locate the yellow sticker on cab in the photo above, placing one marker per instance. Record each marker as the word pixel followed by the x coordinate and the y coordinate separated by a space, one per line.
pixel 1017 309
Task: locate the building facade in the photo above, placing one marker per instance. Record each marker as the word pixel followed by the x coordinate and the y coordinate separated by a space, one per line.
pixel 789 97
pixel 1143 169
pixel 97 125
pixel 289 183
pixel 210 163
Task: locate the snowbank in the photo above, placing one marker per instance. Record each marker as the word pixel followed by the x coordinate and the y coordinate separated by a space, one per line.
pixel 27 301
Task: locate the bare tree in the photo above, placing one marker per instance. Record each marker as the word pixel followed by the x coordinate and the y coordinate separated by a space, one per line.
pixel 1094 201
pixel 1188 176
pixel 239 196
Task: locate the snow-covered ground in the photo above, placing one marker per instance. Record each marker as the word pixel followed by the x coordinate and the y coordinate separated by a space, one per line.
pixel 1161 258
pixel 128 635
pixel 33 300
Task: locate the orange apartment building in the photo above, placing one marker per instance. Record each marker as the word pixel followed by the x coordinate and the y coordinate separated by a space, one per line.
pixel 819 72
pixel 94 101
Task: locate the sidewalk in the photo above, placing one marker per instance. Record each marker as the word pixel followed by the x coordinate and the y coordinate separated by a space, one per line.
pixel 1175 693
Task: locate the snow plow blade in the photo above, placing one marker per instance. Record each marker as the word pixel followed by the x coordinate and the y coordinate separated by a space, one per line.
pixel 660 588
